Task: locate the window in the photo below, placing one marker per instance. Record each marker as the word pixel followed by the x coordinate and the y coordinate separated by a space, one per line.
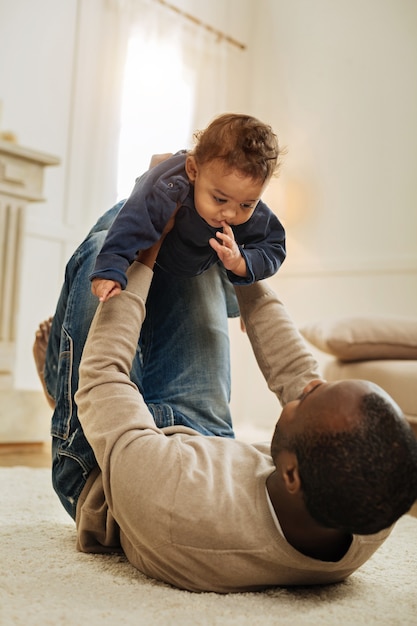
pixel 157 107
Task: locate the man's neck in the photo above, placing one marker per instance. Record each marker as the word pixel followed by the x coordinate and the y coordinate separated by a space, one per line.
pixel 300 530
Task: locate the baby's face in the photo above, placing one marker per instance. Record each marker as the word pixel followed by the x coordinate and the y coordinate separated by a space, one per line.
pixel 223 196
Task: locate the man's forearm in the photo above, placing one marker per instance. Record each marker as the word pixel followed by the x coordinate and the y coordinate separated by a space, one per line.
pixel 109 404
pixel 280 351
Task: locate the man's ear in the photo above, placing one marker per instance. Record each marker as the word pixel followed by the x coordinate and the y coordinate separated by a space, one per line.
pixel 191 167
pixel 290 473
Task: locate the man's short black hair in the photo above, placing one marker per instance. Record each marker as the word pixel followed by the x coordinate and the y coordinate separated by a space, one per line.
pixel 363 479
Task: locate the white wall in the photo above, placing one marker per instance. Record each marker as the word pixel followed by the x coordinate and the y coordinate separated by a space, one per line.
pixel 36 64
pixel 339 89
pixel 337 82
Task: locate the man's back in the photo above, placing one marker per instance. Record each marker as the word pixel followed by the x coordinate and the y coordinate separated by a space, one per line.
pixel 194 512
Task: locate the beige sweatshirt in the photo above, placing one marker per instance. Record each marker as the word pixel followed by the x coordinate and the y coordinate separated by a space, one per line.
pixel 187 509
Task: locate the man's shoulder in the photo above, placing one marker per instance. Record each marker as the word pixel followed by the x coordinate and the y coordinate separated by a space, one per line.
pixel 172 166
pixel 222 452
pixel 168 179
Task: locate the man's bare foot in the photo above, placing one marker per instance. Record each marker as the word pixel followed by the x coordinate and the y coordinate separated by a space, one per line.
pixel 39 355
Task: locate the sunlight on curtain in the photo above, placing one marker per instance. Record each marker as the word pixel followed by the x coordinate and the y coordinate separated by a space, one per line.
pixel 157 107
pixel 175 83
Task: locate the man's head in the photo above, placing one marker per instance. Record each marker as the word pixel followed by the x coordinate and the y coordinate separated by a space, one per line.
pixel 348 448
pixel 230 167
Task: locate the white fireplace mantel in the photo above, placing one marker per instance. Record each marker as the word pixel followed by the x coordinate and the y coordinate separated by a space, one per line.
pixel 21 182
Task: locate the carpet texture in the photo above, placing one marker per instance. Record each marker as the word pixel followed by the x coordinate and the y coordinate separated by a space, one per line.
pixel 43 580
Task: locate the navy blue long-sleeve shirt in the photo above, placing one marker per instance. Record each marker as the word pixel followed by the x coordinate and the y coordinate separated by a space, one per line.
pixel 185 250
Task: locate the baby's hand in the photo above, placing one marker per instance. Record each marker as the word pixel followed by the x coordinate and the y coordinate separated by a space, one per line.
pixel 105 289
pixel 228 251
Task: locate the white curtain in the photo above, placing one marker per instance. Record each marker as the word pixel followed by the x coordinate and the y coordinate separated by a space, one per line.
pixel 175 83
pixel 146 78
pixel 177 79
pixel 100 44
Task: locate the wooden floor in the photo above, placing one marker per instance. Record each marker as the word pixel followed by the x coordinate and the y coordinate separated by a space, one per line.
pixel 27 454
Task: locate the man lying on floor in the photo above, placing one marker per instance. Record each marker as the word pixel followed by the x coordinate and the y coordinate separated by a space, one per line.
pixel 210 513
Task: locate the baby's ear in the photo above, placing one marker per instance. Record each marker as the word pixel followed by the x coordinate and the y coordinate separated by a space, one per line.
pixel 191 167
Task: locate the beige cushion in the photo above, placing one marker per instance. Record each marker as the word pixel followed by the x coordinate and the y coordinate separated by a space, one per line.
pixel 365 338
pixel 398 378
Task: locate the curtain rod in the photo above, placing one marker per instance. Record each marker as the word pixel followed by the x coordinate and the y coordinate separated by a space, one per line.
pixel 207 27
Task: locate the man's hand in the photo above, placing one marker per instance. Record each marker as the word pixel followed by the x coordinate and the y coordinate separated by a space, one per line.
pixel 158 158
pixel 105 289
pixel 228 251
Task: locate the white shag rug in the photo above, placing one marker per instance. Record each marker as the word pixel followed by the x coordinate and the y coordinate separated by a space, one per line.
pixel 44 580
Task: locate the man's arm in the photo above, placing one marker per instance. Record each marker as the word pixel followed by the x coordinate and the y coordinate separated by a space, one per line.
pixel 107 399
pixel 108 402
pixel 280 350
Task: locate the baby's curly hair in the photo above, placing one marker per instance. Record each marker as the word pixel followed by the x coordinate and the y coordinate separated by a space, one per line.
pixel 242 143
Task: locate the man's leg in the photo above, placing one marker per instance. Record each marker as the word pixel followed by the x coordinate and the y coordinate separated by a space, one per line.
pixel 72 456
pixel 184 349
pixel 182 365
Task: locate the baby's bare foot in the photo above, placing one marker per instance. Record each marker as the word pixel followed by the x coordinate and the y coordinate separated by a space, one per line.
pixel 39 355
